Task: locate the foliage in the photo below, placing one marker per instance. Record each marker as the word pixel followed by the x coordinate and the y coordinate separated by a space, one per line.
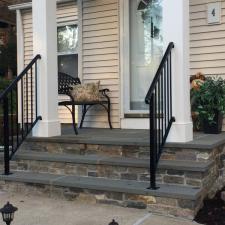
pixel 209 98
pixel 4 83
pixel 8 54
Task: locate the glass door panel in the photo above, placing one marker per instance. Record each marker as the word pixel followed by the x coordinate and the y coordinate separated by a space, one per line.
pixel 146 48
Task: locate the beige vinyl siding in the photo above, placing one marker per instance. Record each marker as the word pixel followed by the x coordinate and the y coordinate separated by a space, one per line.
pixel 207 42
pixel 100 55
pixel 66 14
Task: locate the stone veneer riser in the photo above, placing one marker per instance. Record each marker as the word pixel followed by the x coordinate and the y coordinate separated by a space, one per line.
pixel 169 153
pixel 142 152
pixel 164 176
pixel 169 206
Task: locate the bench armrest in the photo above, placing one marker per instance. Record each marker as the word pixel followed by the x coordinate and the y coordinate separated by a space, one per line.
pixel 103 92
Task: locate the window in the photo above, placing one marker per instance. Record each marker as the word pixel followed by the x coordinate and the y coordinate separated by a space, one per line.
pixel 67 37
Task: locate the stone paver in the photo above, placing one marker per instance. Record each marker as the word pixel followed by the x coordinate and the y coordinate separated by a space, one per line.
pixel 35 210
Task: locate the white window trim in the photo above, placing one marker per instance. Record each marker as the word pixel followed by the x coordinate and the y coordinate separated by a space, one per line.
pixel 67 53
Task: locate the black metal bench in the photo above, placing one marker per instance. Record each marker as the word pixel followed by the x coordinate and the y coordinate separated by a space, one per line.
pixel 65 83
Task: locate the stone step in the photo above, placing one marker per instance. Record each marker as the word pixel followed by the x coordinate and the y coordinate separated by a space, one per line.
pixel 87 147
pixel 168 199
pixel 169 171
pixel 133 149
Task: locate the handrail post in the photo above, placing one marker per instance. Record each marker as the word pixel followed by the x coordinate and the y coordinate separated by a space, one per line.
pixel 6 97
pixel 6 135
pixel 159 98
pixel 153 145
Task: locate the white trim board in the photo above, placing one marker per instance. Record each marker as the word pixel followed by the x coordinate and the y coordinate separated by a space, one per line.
pixel 124 56
pixel 135 123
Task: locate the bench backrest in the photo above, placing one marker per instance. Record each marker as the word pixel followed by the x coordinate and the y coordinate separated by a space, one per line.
pixel 65 82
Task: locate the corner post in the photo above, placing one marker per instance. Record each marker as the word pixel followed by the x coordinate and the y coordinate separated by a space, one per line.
pixel 45 44
pixel 176 27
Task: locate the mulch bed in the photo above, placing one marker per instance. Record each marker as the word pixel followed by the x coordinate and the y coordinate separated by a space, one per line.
pixel 213 212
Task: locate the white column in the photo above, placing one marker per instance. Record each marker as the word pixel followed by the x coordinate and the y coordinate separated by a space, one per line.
pixel 45 44
pixel 20 41
pixel 176 27
pixel 20 55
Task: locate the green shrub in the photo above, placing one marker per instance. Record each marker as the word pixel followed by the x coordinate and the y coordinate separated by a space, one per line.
pixel 4 84
pixel 210 98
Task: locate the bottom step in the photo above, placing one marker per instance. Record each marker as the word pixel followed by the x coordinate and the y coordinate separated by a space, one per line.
pixel 168 199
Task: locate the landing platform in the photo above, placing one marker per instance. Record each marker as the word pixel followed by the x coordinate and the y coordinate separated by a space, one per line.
pixel 131 137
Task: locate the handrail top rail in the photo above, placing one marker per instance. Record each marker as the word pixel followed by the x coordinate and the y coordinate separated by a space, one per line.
pixel 19 77
pixel 154 82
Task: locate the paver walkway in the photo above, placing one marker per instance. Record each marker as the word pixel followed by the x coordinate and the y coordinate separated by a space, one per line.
pixel 35 210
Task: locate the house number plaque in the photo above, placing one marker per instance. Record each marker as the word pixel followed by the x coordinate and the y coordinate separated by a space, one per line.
pixel 214 13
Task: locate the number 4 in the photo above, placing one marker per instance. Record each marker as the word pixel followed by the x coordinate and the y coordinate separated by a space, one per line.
pixel 214 12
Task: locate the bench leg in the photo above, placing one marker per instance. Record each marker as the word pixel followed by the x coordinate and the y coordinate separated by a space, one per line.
pixel 109 115
pixel 74 120
pixel 84 110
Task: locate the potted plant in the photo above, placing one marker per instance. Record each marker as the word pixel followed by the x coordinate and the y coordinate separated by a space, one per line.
pixel 196 81
pixel 210 104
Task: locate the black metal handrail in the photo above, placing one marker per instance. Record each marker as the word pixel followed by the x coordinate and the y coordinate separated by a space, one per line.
pixel 159 98
pixel 18 103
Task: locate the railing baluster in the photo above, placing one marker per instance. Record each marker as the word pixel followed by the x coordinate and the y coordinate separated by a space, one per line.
pixel 27 106
pixel 22 112
pixel 153 147
pixel 162 98
pixel 36 112
pixel 170 78
pixel 31 92
pixel 165 97
pixel 155 117
pixel 11 120
pixel 158 116
pixel 17 124
pixel 6 135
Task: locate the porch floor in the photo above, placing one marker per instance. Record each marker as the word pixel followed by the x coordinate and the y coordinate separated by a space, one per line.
pixel 105 136
pixel 132 137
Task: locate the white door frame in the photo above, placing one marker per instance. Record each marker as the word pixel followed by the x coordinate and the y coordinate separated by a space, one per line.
pixel 176 28
pixel 125 57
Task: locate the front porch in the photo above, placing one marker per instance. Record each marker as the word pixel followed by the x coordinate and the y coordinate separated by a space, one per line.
pixel 106 60
pixel 112 166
